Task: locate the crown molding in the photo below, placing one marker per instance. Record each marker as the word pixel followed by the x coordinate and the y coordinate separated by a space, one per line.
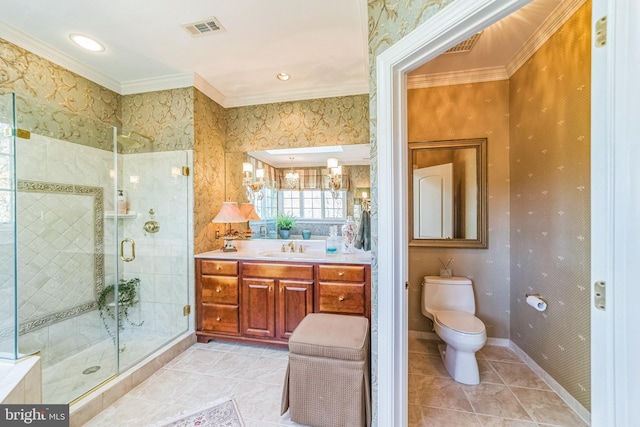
pixel 556 19
pixel 49 53
pixel 205 87
pixel 457 77
pixel 298 95
pixel 173 81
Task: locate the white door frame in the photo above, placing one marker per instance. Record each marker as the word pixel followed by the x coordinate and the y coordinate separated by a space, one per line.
pixel 615 175
pixel 453 24
pixel 615 209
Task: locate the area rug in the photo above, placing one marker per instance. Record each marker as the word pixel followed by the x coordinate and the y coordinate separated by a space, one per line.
pixel 222 413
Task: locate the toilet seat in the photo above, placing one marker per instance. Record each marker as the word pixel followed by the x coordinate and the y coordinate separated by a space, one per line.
pixel 460 321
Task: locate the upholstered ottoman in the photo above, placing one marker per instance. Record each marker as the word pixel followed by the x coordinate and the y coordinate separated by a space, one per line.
pixel 327 380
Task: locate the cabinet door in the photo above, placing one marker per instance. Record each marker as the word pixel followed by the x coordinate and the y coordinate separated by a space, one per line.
pixel 295 301
pixel 258 308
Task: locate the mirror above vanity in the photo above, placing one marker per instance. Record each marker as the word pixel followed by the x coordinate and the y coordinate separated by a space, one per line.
pixel 448 184
pixel 320 186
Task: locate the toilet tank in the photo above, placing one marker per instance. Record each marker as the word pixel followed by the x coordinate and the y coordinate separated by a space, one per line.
pixel 447 293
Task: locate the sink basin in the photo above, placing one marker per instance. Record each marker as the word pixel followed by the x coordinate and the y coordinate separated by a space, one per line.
pixel 293 255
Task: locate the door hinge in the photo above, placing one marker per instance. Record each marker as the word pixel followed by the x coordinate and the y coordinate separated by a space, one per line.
pixel 407 284
pixel 601 32
pixel 185 171
pixel 24 134
pixel 600 295
pixel 186 310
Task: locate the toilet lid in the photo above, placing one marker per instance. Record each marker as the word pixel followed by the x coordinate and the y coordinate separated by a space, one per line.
pixel 460 321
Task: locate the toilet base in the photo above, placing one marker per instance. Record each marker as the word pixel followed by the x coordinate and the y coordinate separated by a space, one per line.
pixel 461 365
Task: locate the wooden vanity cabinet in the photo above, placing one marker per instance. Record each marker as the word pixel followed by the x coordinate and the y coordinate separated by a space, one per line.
pixel 344 289
pixel 263 302
pixel 217 298
pixel 275 298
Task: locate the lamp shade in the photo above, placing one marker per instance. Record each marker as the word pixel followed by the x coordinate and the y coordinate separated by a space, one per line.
pixel 229 213
pixel 249 212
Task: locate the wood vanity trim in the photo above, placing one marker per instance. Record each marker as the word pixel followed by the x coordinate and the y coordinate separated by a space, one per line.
pixel 280 293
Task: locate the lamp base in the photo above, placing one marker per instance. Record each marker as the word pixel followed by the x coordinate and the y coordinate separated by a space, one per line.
pixel 228 246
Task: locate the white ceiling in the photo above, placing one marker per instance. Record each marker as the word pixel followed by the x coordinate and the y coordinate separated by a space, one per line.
pixel 321 43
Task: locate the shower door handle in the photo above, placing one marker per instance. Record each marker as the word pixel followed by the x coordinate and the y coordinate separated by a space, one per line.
pixel 133 250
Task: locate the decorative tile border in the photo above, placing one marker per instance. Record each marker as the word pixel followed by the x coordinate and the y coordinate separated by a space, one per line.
pixel 98 211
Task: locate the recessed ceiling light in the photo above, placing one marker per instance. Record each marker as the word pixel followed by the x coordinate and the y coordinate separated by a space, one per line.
pixel 87 43
pixel 283 76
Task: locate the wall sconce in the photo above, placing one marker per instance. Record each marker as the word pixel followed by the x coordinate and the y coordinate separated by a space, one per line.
pixel 229 214
pixel 253 189
pixel 292 178
pixel 335 176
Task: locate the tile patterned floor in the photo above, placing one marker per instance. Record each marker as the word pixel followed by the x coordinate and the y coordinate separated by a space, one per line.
pixel 510 394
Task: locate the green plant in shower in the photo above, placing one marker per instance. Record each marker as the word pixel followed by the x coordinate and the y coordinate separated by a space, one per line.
pixel 127 297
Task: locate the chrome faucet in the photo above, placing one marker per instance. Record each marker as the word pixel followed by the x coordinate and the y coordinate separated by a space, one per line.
pixel 292 247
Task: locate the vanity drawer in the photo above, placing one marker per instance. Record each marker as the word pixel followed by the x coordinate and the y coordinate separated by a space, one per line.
pixel 342 273
pixel 277 271
pixel 219 289
pixel 224 268
pixel 342 298
pixel 220 318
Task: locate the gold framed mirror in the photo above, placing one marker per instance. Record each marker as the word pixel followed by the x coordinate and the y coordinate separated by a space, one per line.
pixel 448 193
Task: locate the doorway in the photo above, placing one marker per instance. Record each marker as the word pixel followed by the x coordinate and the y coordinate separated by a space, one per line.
pixel 418 47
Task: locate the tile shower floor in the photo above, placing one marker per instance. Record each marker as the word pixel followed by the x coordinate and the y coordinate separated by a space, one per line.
pixel 510 394
pixel 74 376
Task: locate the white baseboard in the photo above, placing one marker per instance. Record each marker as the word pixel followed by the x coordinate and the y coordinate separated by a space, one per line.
pixel 555 386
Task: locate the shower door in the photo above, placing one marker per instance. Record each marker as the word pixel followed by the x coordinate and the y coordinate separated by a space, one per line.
pixel 64 165
pixel 152 218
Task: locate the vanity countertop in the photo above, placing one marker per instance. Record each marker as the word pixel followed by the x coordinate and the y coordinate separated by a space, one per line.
pixel 321 257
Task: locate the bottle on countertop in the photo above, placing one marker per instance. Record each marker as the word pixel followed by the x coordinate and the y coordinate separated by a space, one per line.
pixel 333 242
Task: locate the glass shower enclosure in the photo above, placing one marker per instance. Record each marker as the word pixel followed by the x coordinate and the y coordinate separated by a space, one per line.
pixel 94 270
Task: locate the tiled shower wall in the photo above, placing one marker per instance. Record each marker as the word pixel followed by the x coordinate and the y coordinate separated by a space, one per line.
pixel 57 292
pixel 154 181
pixel 59 266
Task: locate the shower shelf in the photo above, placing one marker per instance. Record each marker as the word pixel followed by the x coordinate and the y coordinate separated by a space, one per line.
pixel 113 304
pixel 128 215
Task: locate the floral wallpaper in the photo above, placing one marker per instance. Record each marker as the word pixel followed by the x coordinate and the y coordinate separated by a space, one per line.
pixel 31 76
pixel 208 170
pixel 479 110
pixel 158 121
pixel 327 121
pixel 550 205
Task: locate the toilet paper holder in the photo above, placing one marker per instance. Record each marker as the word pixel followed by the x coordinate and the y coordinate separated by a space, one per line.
pixel 536 302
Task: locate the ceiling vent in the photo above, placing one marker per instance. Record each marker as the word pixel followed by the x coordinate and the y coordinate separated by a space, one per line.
pixel 466 45
pixel 204 28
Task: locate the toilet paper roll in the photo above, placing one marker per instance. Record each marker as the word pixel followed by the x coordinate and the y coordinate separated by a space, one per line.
pixel 536 302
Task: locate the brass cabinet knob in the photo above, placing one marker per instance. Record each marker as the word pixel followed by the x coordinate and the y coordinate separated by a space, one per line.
pixel 218 290
pixel 218 267
pixel 270 288
pixel 340 298
pixel 218 319
pixel 341 273
pixel 281 289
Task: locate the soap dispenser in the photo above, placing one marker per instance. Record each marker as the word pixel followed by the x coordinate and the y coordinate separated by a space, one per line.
pixel 122 203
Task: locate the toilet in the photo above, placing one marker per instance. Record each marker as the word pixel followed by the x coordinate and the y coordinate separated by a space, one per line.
pixel 450 303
